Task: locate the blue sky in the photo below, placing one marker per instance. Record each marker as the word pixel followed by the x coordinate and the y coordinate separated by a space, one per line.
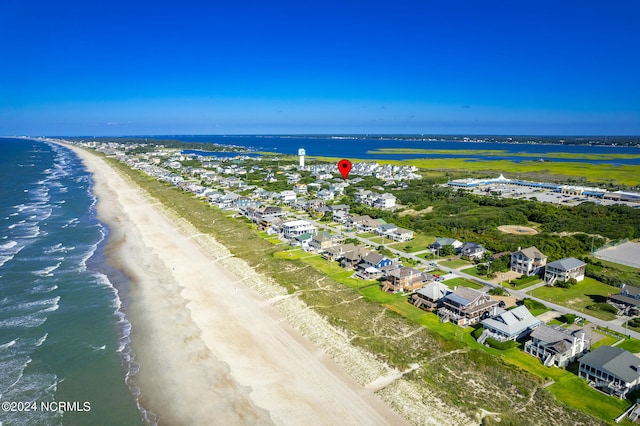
pixel 71 67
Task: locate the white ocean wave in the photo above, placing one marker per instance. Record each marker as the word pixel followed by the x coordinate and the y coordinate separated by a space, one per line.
pixel 47 272
pixel 42 340
pixel 5 259
pixel 42 288
pixel 9 245
pixel 8 344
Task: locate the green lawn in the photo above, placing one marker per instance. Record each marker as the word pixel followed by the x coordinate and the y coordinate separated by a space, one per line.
pixel 419 242
pixel 474 271
pixel 523 282
pixel 632 345
pixel 462 282
pixel 454 264
pixel 579 296
pixel 369 235
pixel 273 239
pixel 606 341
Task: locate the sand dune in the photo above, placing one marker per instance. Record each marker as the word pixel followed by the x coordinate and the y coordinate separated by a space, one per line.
pixel 212 350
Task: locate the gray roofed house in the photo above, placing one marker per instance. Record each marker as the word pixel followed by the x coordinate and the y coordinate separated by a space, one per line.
pixel 529 261
pixel 441 242
pixel 472 250
pixel 611 369
pixel 466 306
pixel 628 296
pixel 556 345
pixel 564 269
pixel 337 252
pixel 510 325
pixel 406 279
pixel 429 297
pixel 385 228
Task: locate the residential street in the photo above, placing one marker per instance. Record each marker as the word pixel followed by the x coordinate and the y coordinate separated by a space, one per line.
pixel 617 325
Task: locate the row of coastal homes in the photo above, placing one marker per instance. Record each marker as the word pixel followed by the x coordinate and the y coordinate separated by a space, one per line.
pixel 531 261
pixel 394 232
pixel 462 306
pixel 368 264
pixel 469 250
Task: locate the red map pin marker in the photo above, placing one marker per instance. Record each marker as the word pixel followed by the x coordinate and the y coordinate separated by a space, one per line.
pixel 345 167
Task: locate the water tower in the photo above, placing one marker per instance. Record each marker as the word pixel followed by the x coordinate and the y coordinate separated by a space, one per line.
pixel 301 154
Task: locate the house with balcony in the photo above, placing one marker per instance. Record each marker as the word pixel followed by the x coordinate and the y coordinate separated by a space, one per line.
pixel 406 279
pixel 324 240
pixel 612 370
pixel 385 201
pixel 337 252
pixel 401 235
pixel 563 270
pixel 513 324
pixel 429 297
pixel 472 251
pixel 557 345
pixel 374 265
pixel 529 261
pixel 466 306
pixel 294 228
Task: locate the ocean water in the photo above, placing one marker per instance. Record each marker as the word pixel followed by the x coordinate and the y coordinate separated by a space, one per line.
pixel 359 147
pixel 63 336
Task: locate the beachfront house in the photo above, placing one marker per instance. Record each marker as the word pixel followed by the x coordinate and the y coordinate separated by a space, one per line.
pixel 406 279
pixel 429 297
pixel 612 370
pixel 557 345
pixel 563 270
pixel 337 252
pixel 509 325
pixel 466 306
pixel 293 228
pixel 529 261
pixel 324 240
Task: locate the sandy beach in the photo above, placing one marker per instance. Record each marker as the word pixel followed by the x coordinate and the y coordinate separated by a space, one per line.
pixel 212 349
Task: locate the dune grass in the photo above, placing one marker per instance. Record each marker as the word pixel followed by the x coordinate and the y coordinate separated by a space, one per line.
pixel 396 331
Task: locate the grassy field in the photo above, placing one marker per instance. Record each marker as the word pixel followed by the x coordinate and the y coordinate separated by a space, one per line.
pixel 455 264
pixel 632 345
pixel 523 282
pixel 579 296
pixel 462 282
pixel 419 242
pixel 453 366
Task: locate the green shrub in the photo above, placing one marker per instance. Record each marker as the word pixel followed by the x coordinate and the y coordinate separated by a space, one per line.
pixel 532 304
pixel 568 318
pixel 477 332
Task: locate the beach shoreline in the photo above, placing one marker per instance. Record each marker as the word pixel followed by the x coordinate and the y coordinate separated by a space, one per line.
pixel 210 347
